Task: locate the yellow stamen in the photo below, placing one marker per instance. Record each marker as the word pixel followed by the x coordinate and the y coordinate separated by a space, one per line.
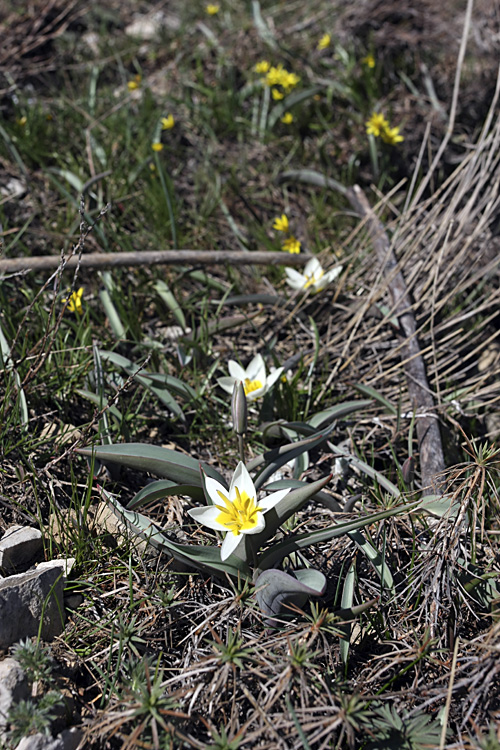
pixel 312 280
pixel 239 515
pixel 249 386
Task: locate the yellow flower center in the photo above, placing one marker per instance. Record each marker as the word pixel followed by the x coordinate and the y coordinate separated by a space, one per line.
pixel 239 515
pixel 251 385
pixel 312 279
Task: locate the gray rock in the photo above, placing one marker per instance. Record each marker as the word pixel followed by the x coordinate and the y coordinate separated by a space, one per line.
pixel 67 740
pixel 26 597
pixel 19 546
pixel 13 688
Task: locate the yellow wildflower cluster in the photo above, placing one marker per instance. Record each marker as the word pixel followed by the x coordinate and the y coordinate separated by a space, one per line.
pixel 291 244
pixel 278 78
pixel 379 127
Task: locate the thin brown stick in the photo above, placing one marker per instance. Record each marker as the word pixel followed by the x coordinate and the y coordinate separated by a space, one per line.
pixel 429 438
pixel 154 258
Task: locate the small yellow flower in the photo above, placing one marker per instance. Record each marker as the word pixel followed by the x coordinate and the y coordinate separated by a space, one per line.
pixel 157 146
pixel 369 61
pixel 212 9
pixel 262 66
pixel 22 121
pixel 277 94
pixel 75 302
pixel 167 123
pixel 391 136
pixel 289 81
pixel 134 83
pixel 281 223
pixel 291 245
pixel 325 41
pixel 376 124
pixel 287 118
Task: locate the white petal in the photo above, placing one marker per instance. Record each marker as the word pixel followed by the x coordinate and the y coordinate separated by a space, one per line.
pixel 256 394
pixel 273 499
pixel 312 267
pixel 212 485
pixel 206 516
pixel 229 544
pixel 259 526
pixel 319 285
pixel 243 481
pixel 273 377
pixel 256 370
pixel 236 371
pixel 294 275
pixel 332 274
pixel 295 279
pixel 227 383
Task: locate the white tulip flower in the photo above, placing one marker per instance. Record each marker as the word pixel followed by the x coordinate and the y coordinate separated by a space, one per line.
pixel 313 278
pixel 236 512
pixel 255 381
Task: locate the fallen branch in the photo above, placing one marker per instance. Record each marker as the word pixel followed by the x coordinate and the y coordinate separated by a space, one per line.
pixel 154 258
pixel 429 437
pixel 432 461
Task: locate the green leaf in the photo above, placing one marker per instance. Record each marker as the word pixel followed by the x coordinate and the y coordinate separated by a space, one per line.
pixel 279 456
pixel 148 380
pixel 337 412
pixel 367 390
pixel 321 497
pixel 164 462
pixel 97 400
pixel 439 505
pixel 368 470
pixel 375 558
pixel 287 506
pixel 164 488
pixel 301 541
pixel 164 292
pixel 202 558
pixel 277 591
pixel 290 101
pixel 346 603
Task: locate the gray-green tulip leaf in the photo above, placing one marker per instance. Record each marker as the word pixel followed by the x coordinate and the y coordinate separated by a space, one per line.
pixel 279 456
pixel 164 488
pixel 277 592
pixel 287 506
pixel 200 557
pixel 301 541
pixel 164 462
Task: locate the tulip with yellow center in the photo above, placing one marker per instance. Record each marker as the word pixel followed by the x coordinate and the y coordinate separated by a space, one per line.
pixel 237 511
pixel 313 278
pixel 75 302
pixel 255 381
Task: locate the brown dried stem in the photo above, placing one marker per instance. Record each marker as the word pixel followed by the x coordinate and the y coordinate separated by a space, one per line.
pixel 154 258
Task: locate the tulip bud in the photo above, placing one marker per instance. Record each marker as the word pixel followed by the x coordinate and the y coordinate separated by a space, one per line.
pixel 239 409
pixel 408 470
